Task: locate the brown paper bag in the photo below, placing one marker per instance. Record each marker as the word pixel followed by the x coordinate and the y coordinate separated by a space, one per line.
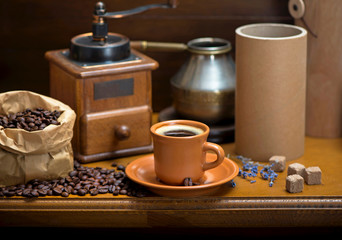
pixel 44 154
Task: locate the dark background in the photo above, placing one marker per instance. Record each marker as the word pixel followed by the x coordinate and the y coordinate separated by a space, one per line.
pixel 29 28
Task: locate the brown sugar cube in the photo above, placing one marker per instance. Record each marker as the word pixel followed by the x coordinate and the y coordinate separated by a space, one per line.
pixel 278 163
pixel 296 168
pixel 294 183
pixel 313 175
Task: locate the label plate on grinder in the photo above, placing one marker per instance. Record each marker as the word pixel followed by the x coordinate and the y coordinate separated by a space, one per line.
pixel 114 88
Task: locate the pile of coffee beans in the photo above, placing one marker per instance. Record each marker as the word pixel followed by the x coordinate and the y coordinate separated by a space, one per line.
pixel 81 181
pixel 30 120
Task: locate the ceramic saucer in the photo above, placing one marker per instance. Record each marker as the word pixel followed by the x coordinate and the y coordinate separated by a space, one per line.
pixel 142 172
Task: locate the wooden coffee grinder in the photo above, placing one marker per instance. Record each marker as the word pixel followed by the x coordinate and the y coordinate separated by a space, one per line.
pixel 108 85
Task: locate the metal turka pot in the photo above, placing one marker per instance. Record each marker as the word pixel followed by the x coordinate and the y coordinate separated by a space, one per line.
pixel 204 88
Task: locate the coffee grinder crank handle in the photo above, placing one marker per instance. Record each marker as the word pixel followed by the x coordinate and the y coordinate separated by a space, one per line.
pixel 99 25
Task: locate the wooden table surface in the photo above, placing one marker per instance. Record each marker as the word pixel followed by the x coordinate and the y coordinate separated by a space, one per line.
pixel 246 205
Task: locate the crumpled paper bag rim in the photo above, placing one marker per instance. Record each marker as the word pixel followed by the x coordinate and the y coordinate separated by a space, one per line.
pixel 51 138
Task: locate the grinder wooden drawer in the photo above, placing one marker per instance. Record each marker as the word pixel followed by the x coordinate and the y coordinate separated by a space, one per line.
pixel 114 130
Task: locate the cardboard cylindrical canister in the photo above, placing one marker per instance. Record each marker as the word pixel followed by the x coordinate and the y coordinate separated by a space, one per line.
pixel 270 90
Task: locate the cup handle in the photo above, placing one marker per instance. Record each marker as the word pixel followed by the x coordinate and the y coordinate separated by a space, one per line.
pixel 208 146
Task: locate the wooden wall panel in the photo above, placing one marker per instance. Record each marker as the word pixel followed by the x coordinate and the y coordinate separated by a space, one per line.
pixel 29 28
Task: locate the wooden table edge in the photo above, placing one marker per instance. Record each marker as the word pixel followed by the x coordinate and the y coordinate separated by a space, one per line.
pixel 218 212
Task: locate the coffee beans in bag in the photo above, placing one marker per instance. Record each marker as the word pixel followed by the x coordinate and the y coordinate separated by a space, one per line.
pixel 35 138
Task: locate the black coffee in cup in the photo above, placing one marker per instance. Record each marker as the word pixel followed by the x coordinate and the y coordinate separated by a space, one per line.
pixel 179 131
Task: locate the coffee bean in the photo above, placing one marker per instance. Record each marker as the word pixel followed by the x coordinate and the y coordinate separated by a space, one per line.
pixel 103 190
pixel 26 192
pixel 111 181
pixel 37 113
pixel 88 187
pixel 29 120
pixel 114 164
pixel 42 192
pixel 61 181
pixel 73 173
pixel 111 188
pixel 20 119
pixel 123 192
pixel 117 182
pixel 57 191
pixel 65 194
pixel 82 192
pixel 93 191
pixel 187 182
pixel 42 126
pixel 121 167
pixel 34 193
pixel 68 189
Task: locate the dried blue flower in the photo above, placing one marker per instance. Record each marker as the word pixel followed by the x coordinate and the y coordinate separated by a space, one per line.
pixel 250 169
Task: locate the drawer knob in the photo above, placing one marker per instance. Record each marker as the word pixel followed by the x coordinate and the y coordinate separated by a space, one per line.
pixel 122 132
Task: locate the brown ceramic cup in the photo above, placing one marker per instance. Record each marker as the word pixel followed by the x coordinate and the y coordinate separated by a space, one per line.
pixel 180 157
